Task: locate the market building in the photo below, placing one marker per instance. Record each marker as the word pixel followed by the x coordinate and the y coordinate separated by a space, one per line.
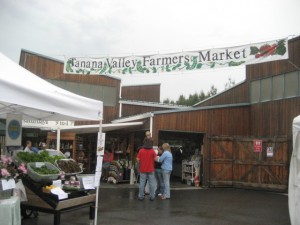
pixel 241 137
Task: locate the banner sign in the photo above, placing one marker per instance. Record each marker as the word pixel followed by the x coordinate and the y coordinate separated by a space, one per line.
pixel 47 124
pixel 181 61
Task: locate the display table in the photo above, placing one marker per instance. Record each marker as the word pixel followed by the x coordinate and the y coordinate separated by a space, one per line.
pixel 49 203
pixel 10 212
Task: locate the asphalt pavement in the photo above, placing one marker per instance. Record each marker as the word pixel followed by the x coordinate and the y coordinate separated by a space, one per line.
pixel 118 205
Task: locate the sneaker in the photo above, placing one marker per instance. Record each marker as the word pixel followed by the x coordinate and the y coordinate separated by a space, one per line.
pixel 152 199
pixel 141 199
pixel 147 193
pixel 164 198
pixel 159 194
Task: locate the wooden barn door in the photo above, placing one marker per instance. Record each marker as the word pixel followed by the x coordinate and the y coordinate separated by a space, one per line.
pixel 260 170
pixel 220 161
pixel 232 162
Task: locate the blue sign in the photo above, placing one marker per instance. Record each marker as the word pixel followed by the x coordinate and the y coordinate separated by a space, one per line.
pixel 14 129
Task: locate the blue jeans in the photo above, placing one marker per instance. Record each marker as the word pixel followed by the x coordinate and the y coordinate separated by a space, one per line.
pixel 160 188
pixel 166 177
pixel 143 178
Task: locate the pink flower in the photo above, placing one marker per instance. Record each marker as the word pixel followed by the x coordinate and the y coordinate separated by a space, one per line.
pixel 22 168
pixel 6 159
pixel 5 173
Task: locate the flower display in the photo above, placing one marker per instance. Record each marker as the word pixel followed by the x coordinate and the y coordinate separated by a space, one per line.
pixel 9 169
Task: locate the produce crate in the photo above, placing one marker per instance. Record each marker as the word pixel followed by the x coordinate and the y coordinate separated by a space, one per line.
pixel 17 161
pixel 42 177
pixel 73 169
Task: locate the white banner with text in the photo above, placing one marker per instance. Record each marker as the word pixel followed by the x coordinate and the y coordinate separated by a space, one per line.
pixel 180 61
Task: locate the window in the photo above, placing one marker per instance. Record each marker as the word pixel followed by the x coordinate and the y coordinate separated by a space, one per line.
pixel 266 89
pixel 274 88
pixel 291 84
pixel 255 91
pixel 103 93
pixel 278 87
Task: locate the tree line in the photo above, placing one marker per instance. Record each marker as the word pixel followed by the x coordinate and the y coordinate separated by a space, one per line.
pixel 198 97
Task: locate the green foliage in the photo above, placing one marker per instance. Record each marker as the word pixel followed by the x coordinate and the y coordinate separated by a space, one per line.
pixel 181 100
pixel 193 98
pixel 44 156
pixel 213 91
pixel 230 83
pixel 43 170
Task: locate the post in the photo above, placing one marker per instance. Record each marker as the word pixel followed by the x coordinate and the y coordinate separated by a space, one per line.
pixel 58 139
pixel 97 188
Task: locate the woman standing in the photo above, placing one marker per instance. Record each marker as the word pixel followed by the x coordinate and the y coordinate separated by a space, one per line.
pixel 160 187
pixel 167 166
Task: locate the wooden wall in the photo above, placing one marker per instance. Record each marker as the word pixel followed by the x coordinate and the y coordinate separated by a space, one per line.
pixel 221 121
pixel 237 94
pixel 147 93
pixel 274 118
pixel 109 114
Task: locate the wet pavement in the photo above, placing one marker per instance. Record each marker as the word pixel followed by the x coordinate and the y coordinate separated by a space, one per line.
pixel 118 205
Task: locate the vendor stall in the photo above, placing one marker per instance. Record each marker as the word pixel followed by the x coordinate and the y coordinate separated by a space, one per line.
pixel 33 98
pixel 41 201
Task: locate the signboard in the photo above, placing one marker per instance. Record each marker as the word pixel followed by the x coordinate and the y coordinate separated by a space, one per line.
pixel 99 154
pixel 13 130
pixel 179 61
pixel 47 124
pixel 257 145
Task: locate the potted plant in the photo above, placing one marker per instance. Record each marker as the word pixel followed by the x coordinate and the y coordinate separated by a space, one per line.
pixel 9 175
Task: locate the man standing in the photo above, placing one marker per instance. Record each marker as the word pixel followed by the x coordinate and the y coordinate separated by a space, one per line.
pixel 146 157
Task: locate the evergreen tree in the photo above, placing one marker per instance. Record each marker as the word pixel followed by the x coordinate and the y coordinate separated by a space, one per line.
pixel 230 83
pixel 193 98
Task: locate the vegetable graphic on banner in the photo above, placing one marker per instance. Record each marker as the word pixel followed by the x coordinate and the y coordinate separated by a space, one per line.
pixel 180 61
pixel 267 49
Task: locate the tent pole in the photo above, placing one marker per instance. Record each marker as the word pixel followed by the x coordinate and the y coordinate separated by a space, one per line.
pixel 97 188
pixel 58 139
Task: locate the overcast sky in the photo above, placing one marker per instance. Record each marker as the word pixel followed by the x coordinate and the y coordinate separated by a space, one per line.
pixel 56 28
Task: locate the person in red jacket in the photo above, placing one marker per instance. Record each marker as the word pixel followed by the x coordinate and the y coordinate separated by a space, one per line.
pixel 146 157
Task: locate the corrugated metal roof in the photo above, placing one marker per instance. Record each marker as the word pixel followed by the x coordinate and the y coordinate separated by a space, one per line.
pixel 149 114
pixel 152 104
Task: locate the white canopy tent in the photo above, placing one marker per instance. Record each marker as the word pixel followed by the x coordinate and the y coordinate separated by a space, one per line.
pixel 36 99
pixel 294 176
pixel 24 93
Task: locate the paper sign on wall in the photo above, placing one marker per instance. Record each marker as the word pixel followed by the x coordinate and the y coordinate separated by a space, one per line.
pixel 270 152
